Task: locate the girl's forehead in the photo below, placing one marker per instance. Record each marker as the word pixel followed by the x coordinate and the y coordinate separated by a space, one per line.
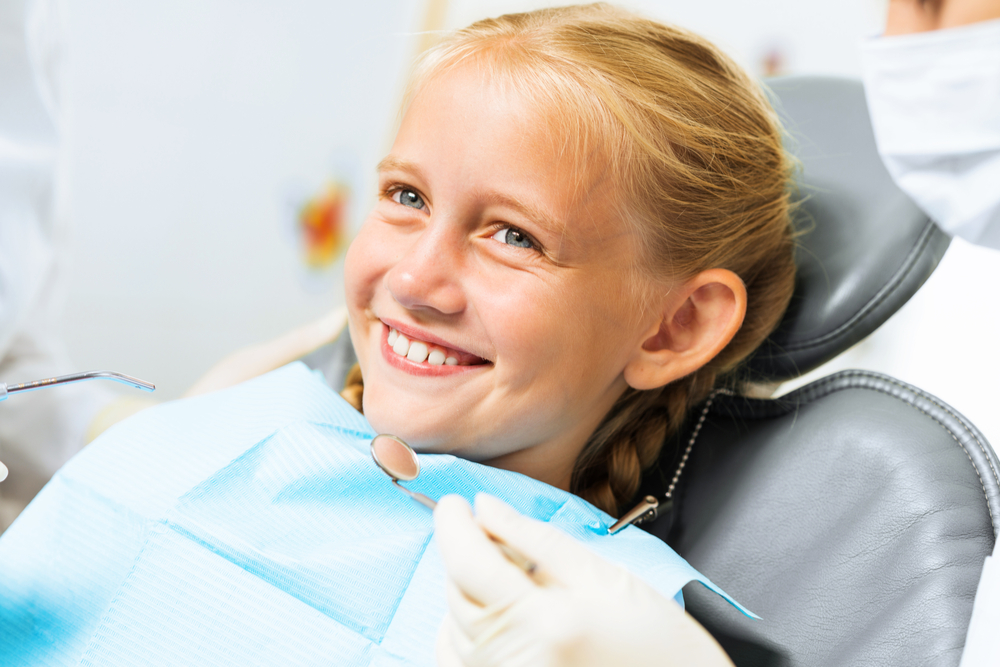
pixel 533 122
pixel 469 138
pixel 557 105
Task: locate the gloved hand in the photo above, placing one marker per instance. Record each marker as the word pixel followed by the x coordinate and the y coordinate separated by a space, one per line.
pixel 575 609
pixel 255 360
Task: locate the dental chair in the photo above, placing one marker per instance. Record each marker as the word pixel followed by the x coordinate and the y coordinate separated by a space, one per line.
pixel 853 514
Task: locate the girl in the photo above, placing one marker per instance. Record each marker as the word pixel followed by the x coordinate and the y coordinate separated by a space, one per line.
pixel 582 228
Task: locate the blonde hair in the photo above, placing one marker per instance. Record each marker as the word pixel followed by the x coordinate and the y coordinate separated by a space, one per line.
pixel 695 150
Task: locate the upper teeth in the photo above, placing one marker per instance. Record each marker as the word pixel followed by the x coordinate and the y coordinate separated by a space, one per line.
pixel 418 351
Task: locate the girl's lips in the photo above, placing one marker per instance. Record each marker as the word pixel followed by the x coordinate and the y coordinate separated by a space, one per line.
pixel 464 357
pixel 424 369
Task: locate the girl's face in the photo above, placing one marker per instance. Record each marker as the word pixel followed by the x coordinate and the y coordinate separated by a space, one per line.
pixel 490 248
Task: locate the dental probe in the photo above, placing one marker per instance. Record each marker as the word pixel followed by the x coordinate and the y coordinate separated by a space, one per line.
pixel 5 389
pixel 398 460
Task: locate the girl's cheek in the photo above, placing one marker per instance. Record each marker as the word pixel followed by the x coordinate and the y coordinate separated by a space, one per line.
pixel 364 260
pixel 352 265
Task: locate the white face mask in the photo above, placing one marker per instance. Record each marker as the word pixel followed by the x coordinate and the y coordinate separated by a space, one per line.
pixel 934 100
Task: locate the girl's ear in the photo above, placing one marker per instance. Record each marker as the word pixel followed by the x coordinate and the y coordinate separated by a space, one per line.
pixel 697 319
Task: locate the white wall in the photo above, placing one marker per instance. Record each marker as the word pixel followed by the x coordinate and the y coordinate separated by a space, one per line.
pixel 817 37
pixel 192 121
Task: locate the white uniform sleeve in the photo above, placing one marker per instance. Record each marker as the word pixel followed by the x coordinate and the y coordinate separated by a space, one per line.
pixel 41 430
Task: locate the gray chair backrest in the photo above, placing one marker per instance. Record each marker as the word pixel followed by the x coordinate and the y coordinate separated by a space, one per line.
pixel 852 515
pixel 865 247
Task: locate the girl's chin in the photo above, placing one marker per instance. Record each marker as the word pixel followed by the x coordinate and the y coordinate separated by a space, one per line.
pixel 422 436
pixel 425 438
pixel 423 411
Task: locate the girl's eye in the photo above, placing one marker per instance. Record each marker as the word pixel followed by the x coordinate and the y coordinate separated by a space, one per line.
pixel 514 237
pixel 408 198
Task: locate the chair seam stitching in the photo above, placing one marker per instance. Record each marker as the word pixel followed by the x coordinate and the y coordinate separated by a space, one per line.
pixel 915 252
pixel 831 379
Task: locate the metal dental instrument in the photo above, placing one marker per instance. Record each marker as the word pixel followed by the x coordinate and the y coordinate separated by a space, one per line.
pixel 650 507
pixel 6 390
pixel 398 460
pixel 642 512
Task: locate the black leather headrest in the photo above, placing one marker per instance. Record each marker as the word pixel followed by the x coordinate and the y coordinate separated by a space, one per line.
pixel 865 248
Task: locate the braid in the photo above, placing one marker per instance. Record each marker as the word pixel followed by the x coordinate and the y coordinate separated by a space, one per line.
pixel 628 441
pixel 354 387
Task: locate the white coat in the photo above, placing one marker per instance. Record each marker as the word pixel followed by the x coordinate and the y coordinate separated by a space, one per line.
pixel 41 430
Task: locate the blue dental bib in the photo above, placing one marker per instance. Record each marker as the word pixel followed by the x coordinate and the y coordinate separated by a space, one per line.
pixel 251 527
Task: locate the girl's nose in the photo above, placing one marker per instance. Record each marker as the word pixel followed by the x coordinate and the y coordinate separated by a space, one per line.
pixel 428 276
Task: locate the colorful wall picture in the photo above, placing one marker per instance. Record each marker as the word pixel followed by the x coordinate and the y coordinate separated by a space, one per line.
pixel 774 58
pixel 322 224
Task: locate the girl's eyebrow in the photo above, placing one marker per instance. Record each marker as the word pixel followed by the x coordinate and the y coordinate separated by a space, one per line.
pixel 529 211
pixel 390 162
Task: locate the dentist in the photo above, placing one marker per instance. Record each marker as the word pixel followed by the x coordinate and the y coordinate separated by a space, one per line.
pixel 41 430
pixel 933 87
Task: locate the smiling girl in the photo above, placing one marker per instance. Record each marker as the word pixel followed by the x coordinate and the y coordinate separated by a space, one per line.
pixel 582 228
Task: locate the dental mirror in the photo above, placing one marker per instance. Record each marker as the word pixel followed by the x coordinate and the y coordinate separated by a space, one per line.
pixel 398 460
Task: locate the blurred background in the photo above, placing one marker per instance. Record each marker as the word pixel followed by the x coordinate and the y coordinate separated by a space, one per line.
pixel 220 153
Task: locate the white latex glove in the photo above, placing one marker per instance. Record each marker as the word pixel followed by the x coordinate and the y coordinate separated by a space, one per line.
pixel 576 609
pixel 259 359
